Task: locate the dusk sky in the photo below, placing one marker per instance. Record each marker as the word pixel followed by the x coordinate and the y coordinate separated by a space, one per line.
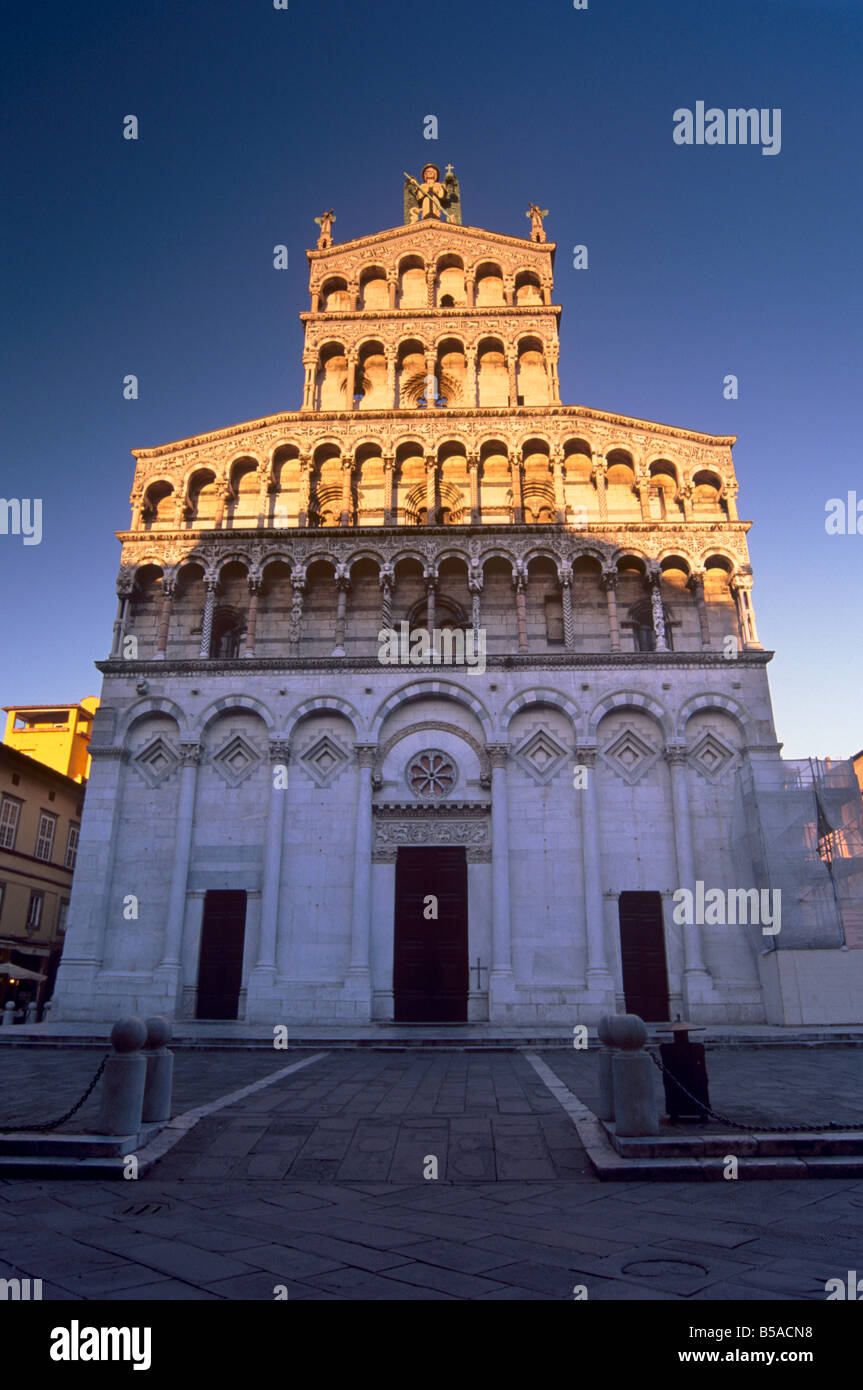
pixel 155 257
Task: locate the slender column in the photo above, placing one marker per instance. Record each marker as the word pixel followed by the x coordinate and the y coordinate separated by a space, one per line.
pixel 559 495
pixel 608 580
pixel 508 292
pixel 347 470
pixel 123 600
pixel 358 973
pixel 546 292
pixel 431 489
pixel 223 492
pixel 598 473
pixel 512 365
pixel 391 379
pixel 298 588
pixel 386 583
pixel 431 386
pixel 252 623
pixel 642 484
pixel 501 928
pixel 350 384
pixel 354 292
pixel 686 499
pixel 598 974
pixel 273 840
pixel 392 289
pixel 566 600
pixel 173 944
pixel 305 488
pixel 470 290
pixel 431 593
pixel 473 472
pixel 515 475
pixel 168 586
pixel 309 364
pixel 696 584
pixel 316 300
pixel 730 495
pixel 343 583
pixel 520 610
pixel 741 587
pixel 430 276
pixel 657 611
pixel 136 502
pixel 693 946
pixel 265 479
pixel 210 587
pixel 470 377
pixel 389 475
pixel 474 584
pixel 554 378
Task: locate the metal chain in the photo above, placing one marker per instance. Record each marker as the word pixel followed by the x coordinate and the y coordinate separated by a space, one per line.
pixel 55 1124
pixel 738 1124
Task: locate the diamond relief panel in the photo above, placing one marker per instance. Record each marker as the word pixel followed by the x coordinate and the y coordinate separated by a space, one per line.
pixel 236 760
pixel 156 762
pixel 629 755
pixel 541 756
pixel 324 760
pixel 711 757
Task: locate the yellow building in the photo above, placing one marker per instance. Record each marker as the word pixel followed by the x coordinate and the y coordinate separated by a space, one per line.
pixel 40 818
pixel 56 735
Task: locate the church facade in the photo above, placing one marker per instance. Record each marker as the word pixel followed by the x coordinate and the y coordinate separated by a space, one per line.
pixel 426 700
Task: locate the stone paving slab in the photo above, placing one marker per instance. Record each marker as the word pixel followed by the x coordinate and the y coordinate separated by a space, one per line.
pixel 234 1234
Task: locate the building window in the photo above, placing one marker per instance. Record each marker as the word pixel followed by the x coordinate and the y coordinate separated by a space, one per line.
pixel 10 810
pixel 62 914
pixel 72 844
pixel 45 837
pixel 34 911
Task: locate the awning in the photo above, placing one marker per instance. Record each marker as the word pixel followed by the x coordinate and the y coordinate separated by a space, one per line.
pixel 19 972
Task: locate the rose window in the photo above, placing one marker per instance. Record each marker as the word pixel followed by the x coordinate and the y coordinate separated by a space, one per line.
pixel 431 775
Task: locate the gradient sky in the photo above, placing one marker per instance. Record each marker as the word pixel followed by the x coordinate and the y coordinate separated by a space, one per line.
pixel 155 257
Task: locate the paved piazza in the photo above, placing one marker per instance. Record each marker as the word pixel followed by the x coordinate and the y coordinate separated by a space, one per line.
pixel 316 1183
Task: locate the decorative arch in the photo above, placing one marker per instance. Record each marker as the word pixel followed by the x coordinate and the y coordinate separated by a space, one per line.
pixel 434 726
pixel 540 695
pixel 321 704
pixel 226 703
pixel 725 704
pixel 632 699
pixel 421 689
pixel 153 704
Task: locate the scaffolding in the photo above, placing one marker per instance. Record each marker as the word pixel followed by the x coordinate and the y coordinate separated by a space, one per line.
pixel 800 831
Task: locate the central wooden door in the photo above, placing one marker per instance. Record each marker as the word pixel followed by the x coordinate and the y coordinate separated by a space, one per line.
pixel 430 971
pixel 220 970
pixel 642 950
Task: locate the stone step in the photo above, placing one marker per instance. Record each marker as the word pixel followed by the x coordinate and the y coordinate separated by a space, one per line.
pixel 763 1144
pixel 31 1144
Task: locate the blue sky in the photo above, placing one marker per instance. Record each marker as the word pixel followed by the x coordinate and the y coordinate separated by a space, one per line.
pixel 155 257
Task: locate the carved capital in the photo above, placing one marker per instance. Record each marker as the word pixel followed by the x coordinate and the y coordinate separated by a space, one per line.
pixel 498 754
pixel 190 754
pixel 279 750
pixel 365 754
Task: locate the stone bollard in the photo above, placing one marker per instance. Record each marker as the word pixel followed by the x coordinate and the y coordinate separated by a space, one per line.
pixel 160 1071
pixel 8 1016
pixel 124 1078
pixel 605 1108
pixel 46 1010
pixel 636 1111
pixel 32 1010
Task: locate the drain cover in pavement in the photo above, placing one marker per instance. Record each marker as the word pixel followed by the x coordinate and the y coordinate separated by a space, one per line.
pixel 141 1209
pixel 654 1269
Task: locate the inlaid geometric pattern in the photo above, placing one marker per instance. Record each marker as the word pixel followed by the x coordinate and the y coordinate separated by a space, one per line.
pixel 711 757
pixel 156 762
pixel 236 760
pixel 541 756
pixel 431 775
pixel 324 760
pixel 629 755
